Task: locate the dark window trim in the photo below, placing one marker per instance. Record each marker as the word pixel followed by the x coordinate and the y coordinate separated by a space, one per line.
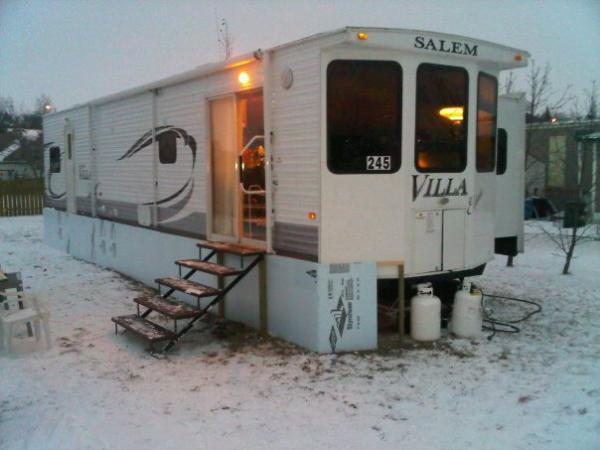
pixel 465 119
pixel 400 114
pixel 52 163
pixel 493 168
pixel 166 155
pixel 501 168
pixel 70 146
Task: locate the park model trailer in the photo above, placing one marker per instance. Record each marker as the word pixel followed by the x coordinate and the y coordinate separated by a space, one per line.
pixel 335 154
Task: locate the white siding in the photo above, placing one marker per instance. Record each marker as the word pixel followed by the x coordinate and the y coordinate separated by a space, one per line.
pixel 296 124
pixel 116 127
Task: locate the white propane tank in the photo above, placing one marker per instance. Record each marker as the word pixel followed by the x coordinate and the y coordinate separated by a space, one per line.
pixel 425 314
pixel 467 317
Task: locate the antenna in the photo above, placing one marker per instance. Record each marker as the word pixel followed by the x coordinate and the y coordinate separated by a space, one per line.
pixel 224 39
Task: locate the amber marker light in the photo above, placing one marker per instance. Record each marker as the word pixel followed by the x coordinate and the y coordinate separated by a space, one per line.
pixel 244 78
pixel 312 215
pixel 518 57
pixel 362 36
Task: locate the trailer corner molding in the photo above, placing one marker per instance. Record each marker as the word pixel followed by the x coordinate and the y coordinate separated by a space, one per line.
pixel 443 46
pixel 438 187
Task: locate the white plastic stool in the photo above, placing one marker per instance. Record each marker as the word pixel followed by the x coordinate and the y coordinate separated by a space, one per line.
pixel 31 313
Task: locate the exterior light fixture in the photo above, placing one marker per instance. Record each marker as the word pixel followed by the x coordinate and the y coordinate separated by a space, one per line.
pixel 362 36
pixel 244 78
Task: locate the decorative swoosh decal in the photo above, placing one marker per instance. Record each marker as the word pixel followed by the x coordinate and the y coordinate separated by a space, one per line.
pixel 53 195
pixel 146 140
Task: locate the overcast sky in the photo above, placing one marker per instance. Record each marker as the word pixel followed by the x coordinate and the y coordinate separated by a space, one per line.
pixel 77 50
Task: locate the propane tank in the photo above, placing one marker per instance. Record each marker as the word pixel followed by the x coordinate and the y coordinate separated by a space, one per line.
pixel 425 314
pixel 467 317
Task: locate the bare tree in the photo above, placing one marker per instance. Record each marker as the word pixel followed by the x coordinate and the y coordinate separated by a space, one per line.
pixel 508 84
pixel 574 229
pixel 543 102
pixel 568 239
pixel 591 96
pixel 7 113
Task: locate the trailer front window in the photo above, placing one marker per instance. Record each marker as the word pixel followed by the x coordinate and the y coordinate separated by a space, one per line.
pixel 441 122
pixel 364 116
pixel 487 100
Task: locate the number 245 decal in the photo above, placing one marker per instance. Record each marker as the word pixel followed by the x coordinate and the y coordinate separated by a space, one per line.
pixel 379 162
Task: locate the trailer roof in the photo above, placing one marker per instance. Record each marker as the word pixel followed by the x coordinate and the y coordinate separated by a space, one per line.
pixel 347 34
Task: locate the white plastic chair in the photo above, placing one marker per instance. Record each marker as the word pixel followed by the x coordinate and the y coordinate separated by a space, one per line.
pixel 31 313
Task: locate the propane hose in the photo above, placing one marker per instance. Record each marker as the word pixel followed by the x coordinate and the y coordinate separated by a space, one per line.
pixel 506 326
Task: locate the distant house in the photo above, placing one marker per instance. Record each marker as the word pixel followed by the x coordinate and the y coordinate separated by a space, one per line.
pixel 21 154
pixel 562 156
pixel 13 170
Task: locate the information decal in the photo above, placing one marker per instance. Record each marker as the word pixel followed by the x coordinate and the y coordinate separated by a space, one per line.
pixel 348 306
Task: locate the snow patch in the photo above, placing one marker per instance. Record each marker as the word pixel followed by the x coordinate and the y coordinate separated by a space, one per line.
pixel 536 389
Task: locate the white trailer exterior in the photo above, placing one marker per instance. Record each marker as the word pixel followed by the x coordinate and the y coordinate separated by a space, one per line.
pixel 134 178
pixel 510 184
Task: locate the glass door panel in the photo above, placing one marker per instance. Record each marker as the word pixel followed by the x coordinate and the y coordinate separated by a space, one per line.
pixel 223 168
pixel 252 165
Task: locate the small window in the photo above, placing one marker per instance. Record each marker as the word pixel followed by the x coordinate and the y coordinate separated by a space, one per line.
pixel 167 147
pixel 441 122
pixel 54 159
pixel 69 146
pixel 487 100
pixel 364 116
pixel 502 147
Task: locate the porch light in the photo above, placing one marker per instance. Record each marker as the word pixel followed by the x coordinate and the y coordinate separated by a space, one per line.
pixel 312 215
pixel 244 78
pixel 453 113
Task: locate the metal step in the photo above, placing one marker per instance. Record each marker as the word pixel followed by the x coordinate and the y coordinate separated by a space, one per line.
pixel 208 267
pixel 188 287
pixel 234 249
pixel 142 327
pixel 170 308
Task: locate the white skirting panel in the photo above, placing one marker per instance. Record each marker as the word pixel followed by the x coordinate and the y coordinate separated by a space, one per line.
pixel 322 307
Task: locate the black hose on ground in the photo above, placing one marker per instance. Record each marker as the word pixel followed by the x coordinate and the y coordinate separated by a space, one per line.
pixel 506 326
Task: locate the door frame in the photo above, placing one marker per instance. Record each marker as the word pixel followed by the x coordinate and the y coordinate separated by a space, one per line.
pixel 238 235
pixel 70 164
pixel 209 175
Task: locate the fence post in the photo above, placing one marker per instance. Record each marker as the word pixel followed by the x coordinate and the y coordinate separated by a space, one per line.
pixel 21 204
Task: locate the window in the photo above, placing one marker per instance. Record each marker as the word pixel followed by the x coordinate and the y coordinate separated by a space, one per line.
pixel 502 148
pixel 364 116
pixel 557 146
pixel 487 101
pixel 54 159
pixel 167 147
pixel 69 146
pixel 441 122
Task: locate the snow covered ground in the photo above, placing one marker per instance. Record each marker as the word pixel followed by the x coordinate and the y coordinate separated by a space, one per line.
pixel 226 388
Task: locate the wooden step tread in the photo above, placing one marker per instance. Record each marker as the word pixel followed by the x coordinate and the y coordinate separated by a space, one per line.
pixel 188 287
pixel 148 330
pixel 227 247
pixel 170 308
pixel 208 267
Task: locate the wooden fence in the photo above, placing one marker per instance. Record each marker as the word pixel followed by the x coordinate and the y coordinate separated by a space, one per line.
pixel 21 204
